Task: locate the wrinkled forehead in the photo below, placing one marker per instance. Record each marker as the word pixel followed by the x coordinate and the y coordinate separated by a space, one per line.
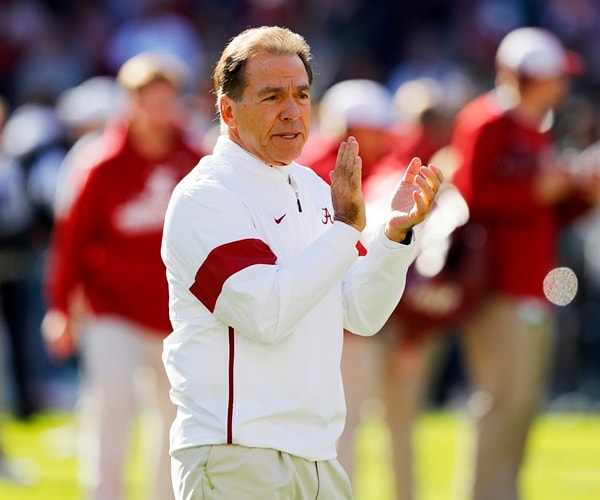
pixel 275 70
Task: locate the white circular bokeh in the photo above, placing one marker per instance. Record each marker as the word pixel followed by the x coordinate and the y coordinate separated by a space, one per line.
pixel 560 286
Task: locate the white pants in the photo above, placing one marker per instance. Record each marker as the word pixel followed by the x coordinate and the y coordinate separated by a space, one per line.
pixel 122 370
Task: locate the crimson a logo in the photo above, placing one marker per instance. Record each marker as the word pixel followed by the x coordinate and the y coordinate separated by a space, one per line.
pixel 327 218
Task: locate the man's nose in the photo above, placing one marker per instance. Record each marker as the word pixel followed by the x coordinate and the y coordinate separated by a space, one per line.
pixel 291 110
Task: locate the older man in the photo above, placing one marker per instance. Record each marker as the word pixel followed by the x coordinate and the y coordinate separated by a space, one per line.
pixel 264 276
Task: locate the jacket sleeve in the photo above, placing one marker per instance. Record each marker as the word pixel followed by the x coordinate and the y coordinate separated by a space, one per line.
pixel 71 234
pixel 214 252
pixel 375 283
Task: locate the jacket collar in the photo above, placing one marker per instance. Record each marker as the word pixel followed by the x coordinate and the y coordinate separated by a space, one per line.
pixel 247 162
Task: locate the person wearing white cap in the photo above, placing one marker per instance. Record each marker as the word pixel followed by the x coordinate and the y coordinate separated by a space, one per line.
pixel 105 282
pixel 536 53
pixel 361 108
pixel 515 188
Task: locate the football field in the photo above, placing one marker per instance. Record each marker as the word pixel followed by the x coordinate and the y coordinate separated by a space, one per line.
pixel 563 462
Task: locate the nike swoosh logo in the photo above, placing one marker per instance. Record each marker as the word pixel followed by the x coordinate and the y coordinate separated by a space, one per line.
pixel 278 221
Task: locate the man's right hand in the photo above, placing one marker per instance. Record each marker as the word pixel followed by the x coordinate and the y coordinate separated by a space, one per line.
pixel 58 335
pixel 346 186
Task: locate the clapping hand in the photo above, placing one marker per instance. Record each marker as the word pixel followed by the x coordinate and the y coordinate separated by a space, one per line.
pixel 346 186
pixel 413 198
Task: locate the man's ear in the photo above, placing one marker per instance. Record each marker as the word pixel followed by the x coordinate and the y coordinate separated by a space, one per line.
pixel 227 111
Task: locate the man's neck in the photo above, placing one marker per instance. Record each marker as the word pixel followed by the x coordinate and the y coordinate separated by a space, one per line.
pixel 526 109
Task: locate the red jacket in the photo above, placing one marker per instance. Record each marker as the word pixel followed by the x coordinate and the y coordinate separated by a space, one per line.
pixel 498 160
pixel 109 240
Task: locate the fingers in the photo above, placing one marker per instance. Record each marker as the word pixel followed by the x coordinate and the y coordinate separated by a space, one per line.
pixel 346 185
pixel 348 164
pixel 428 178
pixel 437 173
pixel 429 181
pixel 412 171
pixel 416 169
pixel 347 153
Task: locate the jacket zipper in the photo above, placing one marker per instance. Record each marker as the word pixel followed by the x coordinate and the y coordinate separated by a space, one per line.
pixel 295 188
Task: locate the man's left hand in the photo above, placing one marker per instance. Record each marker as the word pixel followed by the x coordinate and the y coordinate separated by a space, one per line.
pixel 413 198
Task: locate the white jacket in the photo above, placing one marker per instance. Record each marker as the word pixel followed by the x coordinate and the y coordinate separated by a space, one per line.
pixel 262 284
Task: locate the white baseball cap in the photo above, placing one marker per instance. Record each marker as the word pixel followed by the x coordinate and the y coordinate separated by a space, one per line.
pixel 359 103
pixel 537 53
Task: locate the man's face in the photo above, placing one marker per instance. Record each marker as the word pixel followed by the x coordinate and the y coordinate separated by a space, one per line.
pixel 157 106
pixel 558 90
pixel 548 93
pixel 271 120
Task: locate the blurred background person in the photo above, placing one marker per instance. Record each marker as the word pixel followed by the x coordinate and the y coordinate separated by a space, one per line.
pixel 442 281
pixel 509 176
pixel 361 108
pixel 13 212
pixel 84 111
pixel 33 144
pixel 106 285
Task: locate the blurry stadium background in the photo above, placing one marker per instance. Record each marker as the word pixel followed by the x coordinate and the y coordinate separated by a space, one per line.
pixel 49 48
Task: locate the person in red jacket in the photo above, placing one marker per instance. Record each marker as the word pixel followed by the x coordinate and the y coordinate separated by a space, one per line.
pixel 519 193
pixel 106 286
pixel 414 342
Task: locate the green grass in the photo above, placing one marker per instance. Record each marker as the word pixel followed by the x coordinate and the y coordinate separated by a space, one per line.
pixel 563 461
pixel 45 451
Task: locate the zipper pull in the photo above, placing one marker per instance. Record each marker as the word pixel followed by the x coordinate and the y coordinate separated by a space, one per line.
pixel 295 188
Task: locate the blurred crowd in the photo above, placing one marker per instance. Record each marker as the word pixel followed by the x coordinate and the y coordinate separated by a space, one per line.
pixel 425 60
pixel 49 46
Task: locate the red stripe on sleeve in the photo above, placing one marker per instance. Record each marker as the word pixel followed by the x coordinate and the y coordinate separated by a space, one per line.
pixel 224 261
pixel 361 249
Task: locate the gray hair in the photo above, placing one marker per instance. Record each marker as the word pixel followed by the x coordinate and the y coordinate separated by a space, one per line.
pixel 229 76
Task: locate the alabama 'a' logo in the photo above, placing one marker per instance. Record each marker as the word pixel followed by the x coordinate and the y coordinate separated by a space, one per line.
pixel 327 218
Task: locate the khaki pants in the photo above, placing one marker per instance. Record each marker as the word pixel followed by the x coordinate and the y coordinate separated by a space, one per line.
pixel 507 347
pixel 224 472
